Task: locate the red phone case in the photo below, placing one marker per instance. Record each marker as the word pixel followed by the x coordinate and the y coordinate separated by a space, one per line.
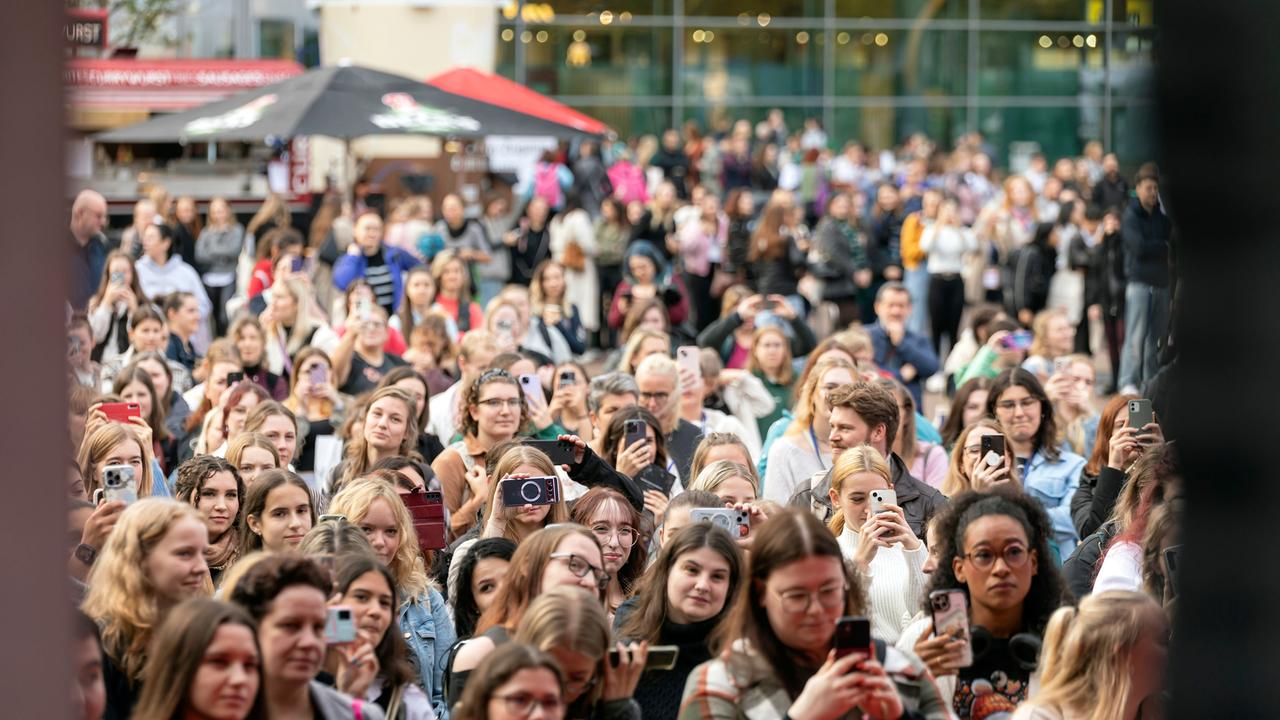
pixel 120 412
pixel 427 509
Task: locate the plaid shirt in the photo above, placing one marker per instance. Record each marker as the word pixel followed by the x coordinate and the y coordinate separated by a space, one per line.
pixel 747 689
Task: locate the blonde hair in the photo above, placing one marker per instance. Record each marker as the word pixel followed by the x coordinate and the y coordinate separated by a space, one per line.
pixel 860 459
pixel 407 565
pixel 515 456
pixel 569 618
pixel 121 597
pixel 1084 669
pixel 720 472
pixel 1040 331
pixel 626 364
pixel 787 373
pixel 805 406
pixel 958 480
pixel 96 446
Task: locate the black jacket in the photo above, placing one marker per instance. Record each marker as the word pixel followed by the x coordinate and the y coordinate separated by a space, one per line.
pixel 919 502
pixel 1027 274
pixel 884 242
pixel 1111 193
pixel 718 335
pixel 1081 568
pixel 1095 500
pixel 1146 244
pixel 675 167
pixel 840 255
pixel 781 275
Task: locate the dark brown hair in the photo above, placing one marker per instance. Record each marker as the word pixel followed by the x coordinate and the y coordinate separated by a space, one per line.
pixel 873 403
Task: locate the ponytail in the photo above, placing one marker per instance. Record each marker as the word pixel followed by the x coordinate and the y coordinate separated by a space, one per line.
pixel 837 522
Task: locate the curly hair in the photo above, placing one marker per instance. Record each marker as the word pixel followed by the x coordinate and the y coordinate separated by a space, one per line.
pixel 121 597
pixel 1047 591
pixel 192 476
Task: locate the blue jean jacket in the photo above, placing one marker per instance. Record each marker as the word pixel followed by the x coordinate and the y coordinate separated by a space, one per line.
pixel 1053 484
pixel 428 631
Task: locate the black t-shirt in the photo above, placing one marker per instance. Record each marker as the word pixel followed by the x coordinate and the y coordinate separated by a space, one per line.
pixel 993 686
pixel 365 377
pixel 306 461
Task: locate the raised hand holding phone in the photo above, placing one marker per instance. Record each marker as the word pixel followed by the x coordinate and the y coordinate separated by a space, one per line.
pixel 621 678
pixel 831 692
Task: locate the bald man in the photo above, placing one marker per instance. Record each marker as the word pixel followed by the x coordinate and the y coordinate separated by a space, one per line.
pixel 89 253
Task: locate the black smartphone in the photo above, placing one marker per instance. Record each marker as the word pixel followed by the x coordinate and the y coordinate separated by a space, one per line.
pixel 853 636
pixel 653 477
pixel 560 451
pixel 635 432
pixel 234 377
pixel 991 444
pixel 518 492
pixel 1172 559
pixel 568 377
pixel 767 304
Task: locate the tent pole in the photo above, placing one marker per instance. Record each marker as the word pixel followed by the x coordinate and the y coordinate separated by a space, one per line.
pixel 349 172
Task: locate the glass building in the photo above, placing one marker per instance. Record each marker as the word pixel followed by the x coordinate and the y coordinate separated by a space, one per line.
pixel 1054 72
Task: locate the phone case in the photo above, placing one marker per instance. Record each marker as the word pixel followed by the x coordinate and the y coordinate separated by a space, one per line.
pixel 560 452
pixel 518 492
pixel 427 510
pixel 340 627
pixel 880 498
pixel 853 635
pixel 635 432
pixel 951 614
pixel 532 388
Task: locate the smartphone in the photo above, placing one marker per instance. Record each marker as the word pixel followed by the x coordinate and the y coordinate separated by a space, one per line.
pixel 299 263
pixel 233 378
pixel 532 388
pixel 120 412
pixel 560 451
pixel 542 490
pixel 652 477
pixel 427 510
pixel 950 610
pixel 339 626
pixel 853 637
pixel 1172 560
pixel 635 432
pixel 1017 340
pixel 1061 365
pixel 880 498
pixel 661 657
pixel 767 304
pixel 992 449
pixel 117 278
pixel 119 483
pixel 1140 413
pixel 364 307
pixel 318 374
pixel 687 359
pixel 568 378
pixel 735 522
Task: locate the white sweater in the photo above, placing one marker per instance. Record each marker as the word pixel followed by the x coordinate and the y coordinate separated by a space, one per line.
pixel 947 247
pixel 895 585
pixel 792 462
pixel 1121 569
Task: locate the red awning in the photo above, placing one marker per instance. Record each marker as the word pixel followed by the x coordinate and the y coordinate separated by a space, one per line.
pixel 497 90
pixel 165 85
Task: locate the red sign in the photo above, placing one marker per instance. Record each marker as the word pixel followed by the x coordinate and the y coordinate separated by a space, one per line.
pixel 167 84
pixel 86 28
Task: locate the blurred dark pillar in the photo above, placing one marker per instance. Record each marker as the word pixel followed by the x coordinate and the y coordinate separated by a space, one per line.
pixel 1219 90
pixel 33 268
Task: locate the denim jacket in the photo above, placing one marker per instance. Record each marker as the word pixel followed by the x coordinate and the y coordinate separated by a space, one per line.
pixel 1053 484
pixel 428 631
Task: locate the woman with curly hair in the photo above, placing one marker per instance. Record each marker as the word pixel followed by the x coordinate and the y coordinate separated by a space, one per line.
pixel 214 488
pixel 996 549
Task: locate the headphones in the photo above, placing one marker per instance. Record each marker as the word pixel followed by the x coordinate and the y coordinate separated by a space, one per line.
pixel 1023 649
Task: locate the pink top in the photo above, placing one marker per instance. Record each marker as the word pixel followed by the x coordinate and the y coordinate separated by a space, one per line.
pixel 739 356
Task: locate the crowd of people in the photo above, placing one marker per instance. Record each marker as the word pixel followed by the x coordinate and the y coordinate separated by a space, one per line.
pixel 706 426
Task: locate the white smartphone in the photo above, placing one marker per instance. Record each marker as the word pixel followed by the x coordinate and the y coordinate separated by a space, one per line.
pixel 340 626
pixel 880 498
pixel 532 388
pixel 119 483
pixel 687 359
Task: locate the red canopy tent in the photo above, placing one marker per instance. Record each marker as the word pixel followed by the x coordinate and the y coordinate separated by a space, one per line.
pixel 497 90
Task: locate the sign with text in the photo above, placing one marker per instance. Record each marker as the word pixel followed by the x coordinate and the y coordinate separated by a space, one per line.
pixel 86 28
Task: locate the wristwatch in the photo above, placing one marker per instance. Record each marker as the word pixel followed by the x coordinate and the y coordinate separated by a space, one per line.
pixel 85 554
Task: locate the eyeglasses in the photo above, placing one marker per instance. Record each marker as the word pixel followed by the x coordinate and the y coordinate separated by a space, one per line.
pixel 1015 556
pixel 799 601
pixel 523 705
pixel 499 403
pixel 972 450
pixel 626 535
pixel 580 567
pixel 658 396
pixel 1024 403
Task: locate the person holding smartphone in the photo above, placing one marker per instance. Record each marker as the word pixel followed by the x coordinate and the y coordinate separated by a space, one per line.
pixel 313 398
pixel 568 405
pixel 681 601
pixel 118 297
pixel 996 550
pixel 982 460
pixel 778 657
pixel 874 535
